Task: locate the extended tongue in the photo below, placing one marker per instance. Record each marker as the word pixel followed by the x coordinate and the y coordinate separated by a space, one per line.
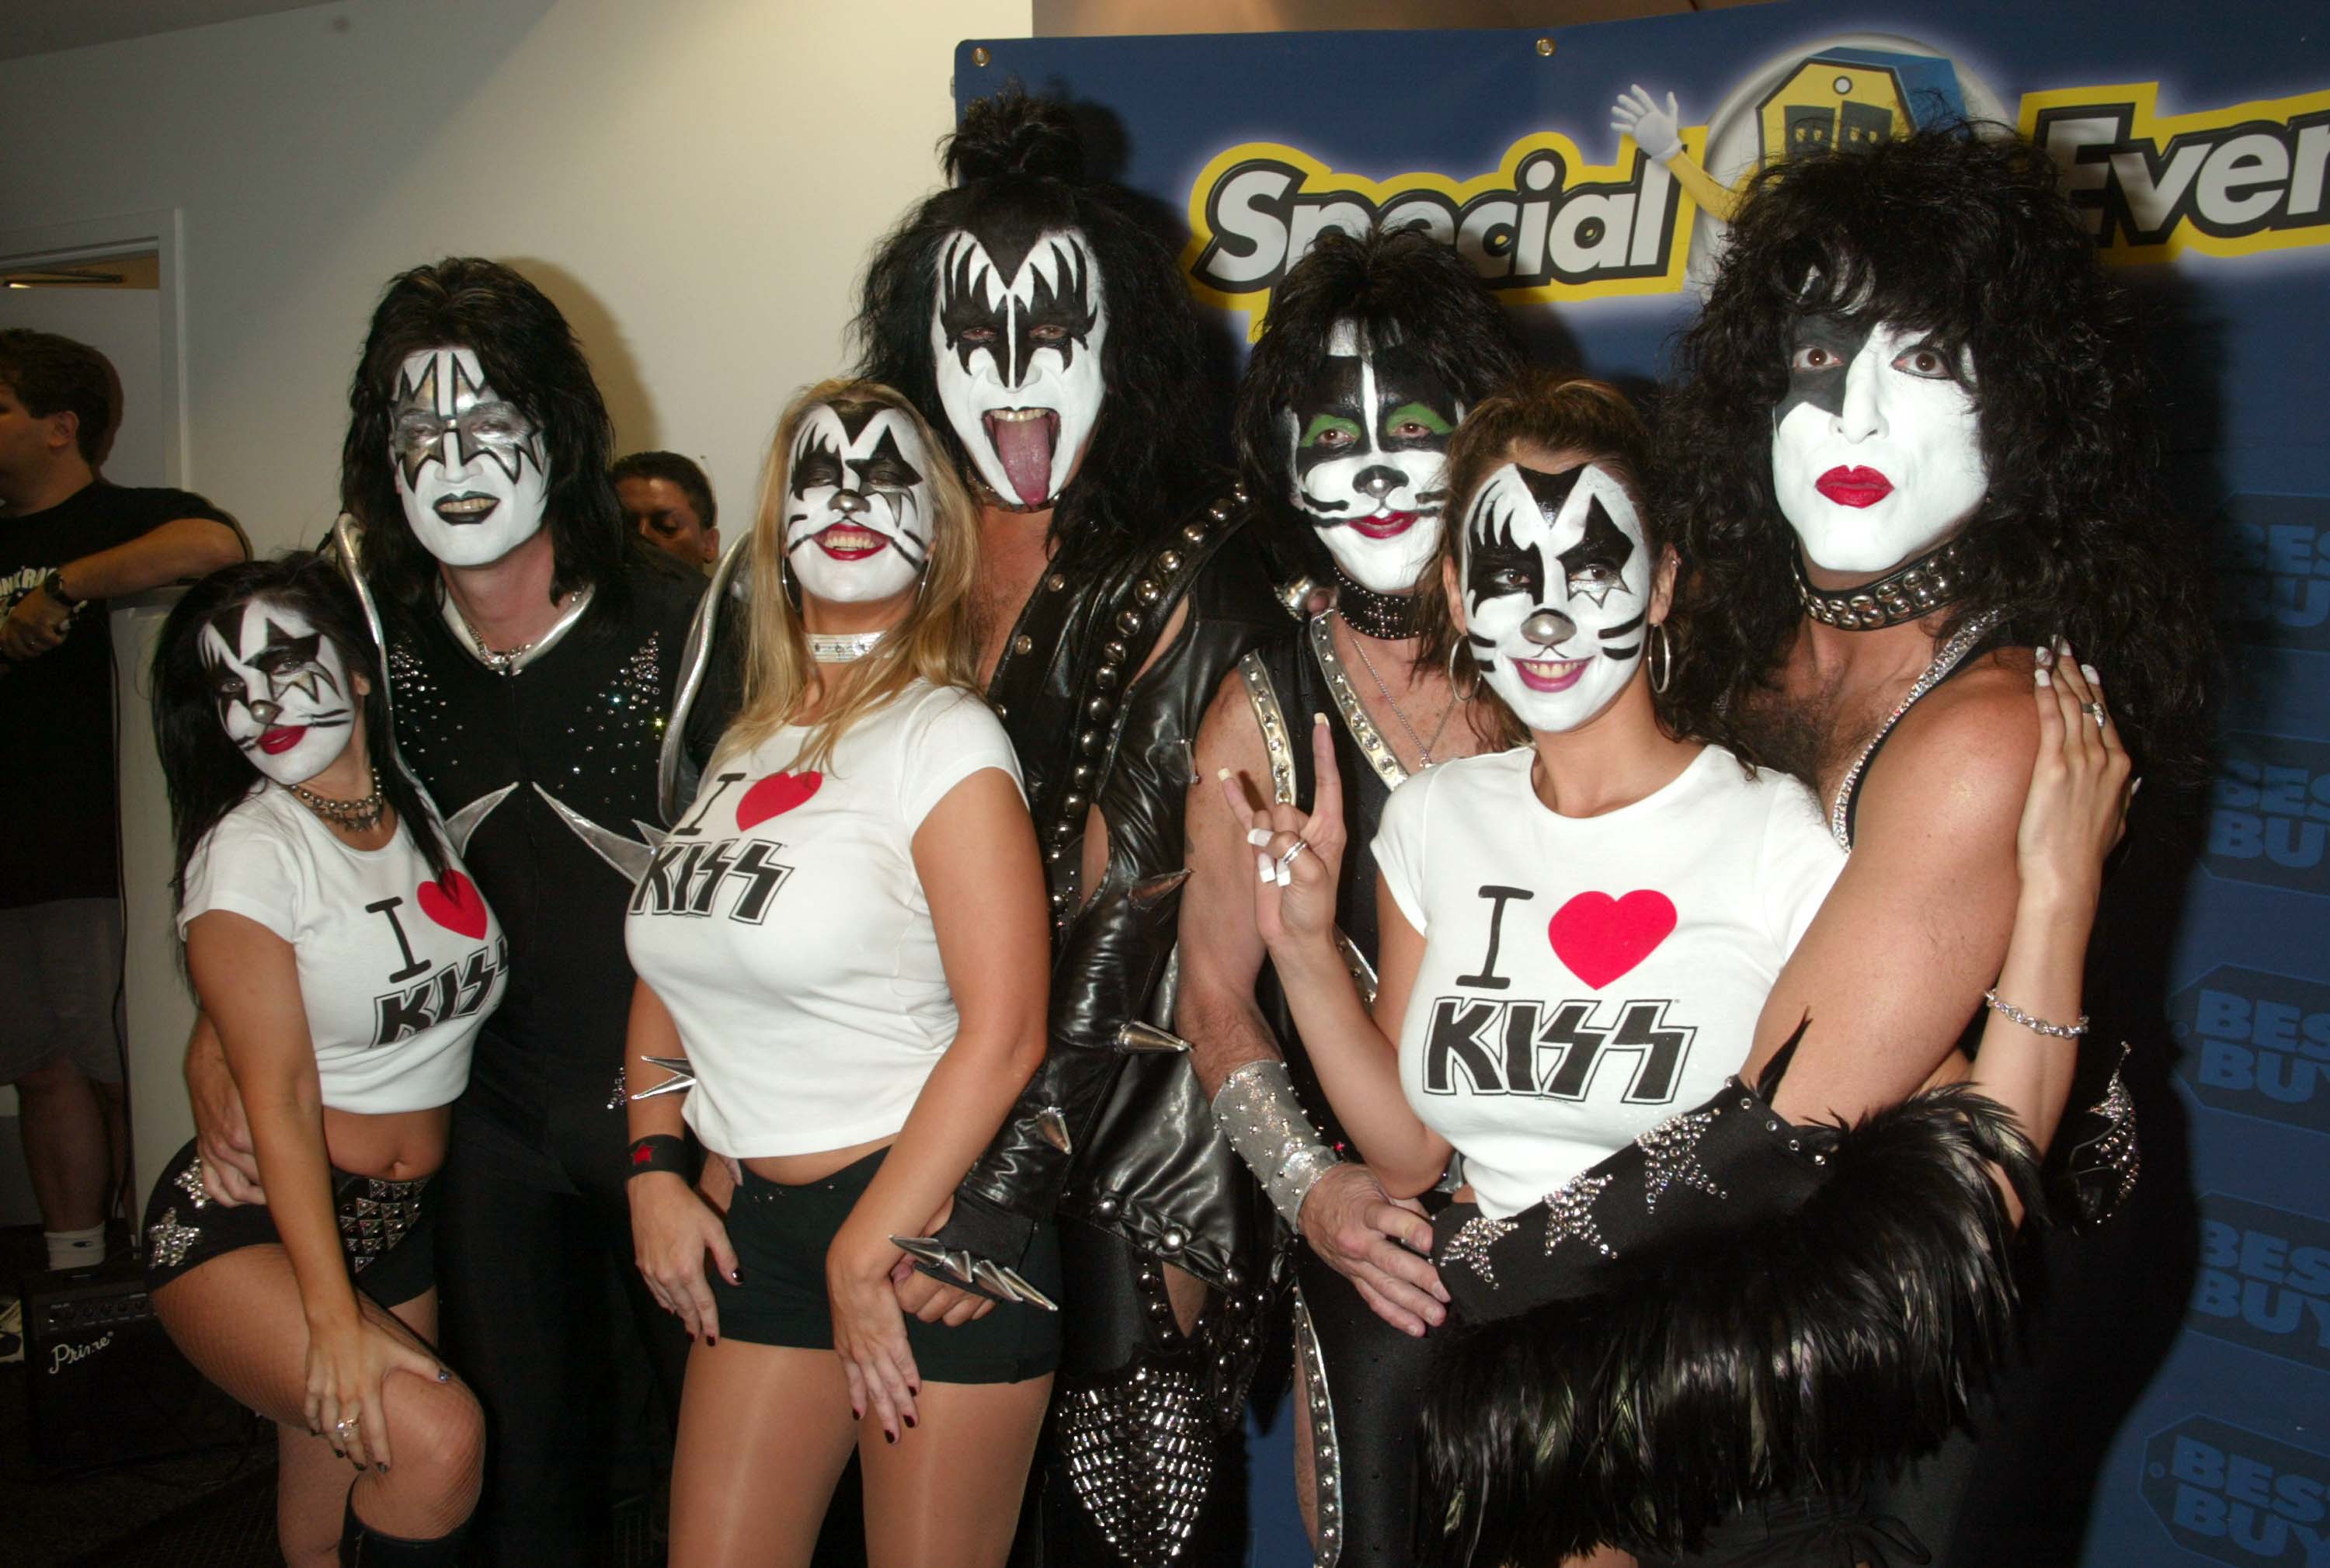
pixel 1025 450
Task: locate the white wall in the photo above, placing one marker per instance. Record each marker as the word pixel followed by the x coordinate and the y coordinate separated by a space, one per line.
pixel 696 182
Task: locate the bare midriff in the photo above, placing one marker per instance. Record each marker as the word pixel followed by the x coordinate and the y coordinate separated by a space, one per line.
pixel 794 1170
pixel 394 1145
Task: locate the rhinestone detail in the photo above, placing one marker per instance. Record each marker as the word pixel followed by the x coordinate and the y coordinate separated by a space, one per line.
pixel 1473 1241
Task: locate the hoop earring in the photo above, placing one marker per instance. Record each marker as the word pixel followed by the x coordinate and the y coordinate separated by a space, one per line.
pixel 1468 695
pixel 1662 670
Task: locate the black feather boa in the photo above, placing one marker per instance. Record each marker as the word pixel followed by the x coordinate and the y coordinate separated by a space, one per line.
pixel 1814 1348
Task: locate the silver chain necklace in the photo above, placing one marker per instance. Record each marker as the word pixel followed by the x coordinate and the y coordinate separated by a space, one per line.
pixel 352 816
pixel 501 661
pixel 1422 747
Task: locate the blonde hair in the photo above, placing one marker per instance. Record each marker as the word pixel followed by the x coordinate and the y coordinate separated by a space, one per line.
pixel 937 642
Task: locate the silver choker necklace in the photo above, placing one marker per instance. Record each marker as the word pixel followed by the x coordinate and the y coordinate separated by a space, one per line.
pixel 1908 593
pixel 841 647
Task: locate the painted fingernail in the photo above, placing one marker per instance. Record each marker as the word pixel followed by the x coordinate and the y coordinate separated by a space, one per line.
pixel 910 1421
pixel 1318 718
pixel 2044 654
pixel 2041 676
pixel 2060 645
pixel 1222 774
pixel 444 1375
pixel 1262 867
pixel 2090 671
pixel 1282 875
pixel 736 1277
pixel 2134 788
pixel 888 1436
pixel 1258 836
pixel 382 1467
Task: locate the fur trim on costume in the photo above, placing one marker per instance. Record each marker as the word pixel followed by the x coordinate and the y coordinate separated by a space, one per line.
pixel 1813 1350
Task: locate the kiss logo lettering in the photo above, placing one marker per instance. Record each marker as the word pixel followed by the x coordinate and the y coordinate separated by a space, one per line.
pixel 2269 817
pixel 455 991
pixel 2264 1282
pixel 2238 1497
pixel 2274 569
pixel 686 879
pixel 2257 1045
pixel 1552 1051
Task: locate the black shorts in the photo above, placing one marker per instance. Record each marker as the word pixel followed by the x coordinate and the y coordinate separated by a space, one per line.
pixel 781 1234
pixel 387 1228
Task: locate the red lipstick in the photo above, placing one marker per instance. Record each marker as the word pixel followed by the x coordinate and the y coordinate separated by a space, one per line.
pixel 1853 486
pixel 282 739
pixel 1390 525
pixel 843 543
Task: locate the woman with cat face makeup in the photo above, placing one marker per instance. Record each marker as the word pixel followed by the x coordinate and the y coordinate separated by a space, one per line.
pixel 1582 940
pixel 337 943
pixel 842 955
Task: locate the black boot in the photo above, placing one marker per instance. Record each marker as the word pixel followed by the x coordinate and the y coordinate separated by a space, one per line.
pixel 361 1547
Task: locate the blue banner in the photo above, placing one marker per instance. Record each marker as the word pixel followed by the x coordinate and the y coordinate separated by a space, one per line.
pixel 2186 1425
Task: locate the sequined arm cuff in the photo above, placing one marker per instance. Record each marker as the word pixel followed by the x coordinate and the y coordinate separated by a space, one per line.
pixel 1259 1113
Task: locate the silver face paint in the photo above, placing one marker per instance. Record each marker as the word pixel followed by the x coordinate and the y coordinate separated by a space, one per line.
pixel 1557 583
pixel 283 689
pixel 1019 359
pixel 859 505
pixel 470 465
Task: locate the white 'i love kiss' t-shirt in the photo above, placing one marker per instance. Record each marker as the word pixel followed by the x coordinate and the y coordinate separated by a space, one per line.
pixel 1584 979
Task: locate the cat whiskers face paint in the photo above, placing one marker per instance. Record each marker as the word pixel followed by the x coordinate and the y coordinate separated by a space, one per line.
pixel 858 507
pixel 1877 447
pixel 281 687
pixel 1017 333
pixel 1369 451
pixel 1556 584
pixel 469 464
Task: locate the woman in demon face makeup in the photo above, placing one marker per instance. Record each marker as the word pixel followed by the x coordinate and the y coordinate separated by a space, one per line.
pixel 346 959
pixel 841 952
pixel 1583 940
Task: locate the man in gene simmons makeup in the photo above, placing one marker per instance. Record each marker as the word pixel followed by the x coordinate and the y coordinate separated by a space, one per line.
pixel 283 689
pixel 1018 334
pixel 1557 585
pixel 857 509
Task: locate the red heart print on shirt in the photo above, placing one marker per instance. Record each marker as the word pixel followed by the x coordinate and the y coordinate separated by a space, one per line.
pixel 774 797
pixel 453 901
pixel 1600 938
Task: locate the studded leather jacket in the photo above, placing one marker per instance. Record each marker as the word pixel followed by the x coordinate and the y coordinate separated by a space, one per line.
pixel 1113 1129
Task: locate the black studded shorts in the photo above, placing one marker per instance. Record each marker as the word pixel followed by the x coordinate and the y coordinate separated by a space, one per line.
pixel 781 1234
pixel 387 1228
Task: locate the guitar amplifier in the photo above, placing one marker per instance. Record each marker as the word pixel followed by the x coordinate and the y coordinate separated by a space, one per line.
pixel 104 1385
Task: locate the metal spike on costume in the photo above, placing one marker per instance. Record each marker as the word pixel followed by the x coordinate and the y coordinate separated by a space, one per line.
pixel 1147 892
pixel 672 787
pixel 682 1079
pixel 1133 1035
pixel 1141 1459
pixel 463 824
pixel 1053 1123
pixel 955 1265
pixel 627 855
pixel 1024 1290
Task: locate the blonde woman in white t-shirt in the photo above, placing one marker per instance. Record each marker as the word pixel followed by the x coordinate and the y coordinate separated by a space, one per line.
pixel 843 944
pixel 1587 934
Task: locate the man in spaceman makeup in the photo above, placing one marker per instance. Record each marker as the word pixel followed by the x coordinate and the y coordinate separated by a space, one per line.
pixel 857 504
pixel 283 689
pixel 1557 589
pixel 1368 439
pixel 1016 334
pixel 1876 444
pixel 471 470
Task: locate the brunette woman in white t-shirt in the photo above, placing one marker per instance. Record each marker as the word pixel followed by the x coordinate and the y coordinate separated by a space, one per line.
pixel 843 947
pixel 347 961
pixel 1588 933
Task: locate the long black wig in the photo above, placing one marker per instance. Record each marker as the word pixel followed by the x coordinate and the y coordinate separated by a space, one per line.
pixel 1971 239
pixel 1018 161
pixel 1402 286
pixel 531 357
pixel 206 774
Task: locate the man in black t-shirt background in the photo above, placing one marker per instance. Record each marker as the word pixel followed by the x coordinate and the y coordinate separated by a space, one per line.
pixel 70 542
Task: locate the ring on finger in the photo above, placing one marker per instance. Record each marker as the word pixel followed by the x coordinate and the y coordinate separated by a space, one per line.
pixel 1297 847
pixel 2094 711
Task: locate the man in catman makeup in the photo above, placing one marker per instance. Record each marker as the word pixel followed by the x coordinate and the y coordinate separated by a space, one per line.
pixel 1041 323
pixel 69 541
pixel 1910 452
pixel 533 650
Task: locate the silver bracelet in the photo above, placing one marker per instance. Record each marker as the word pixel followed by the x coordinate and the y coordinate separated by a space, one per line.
pixel 1260 1114
pixel 1992 999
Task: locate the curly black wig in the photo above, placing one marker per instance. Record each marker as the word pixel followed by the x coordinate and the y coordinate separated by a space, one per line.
pixel 206 774
pixel 1020 161
pixel 1404 287
pixel 530 355
pixel 1968 237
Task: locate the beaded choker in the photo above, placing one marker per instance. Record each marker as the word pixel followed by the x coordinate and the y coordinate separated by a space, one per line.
pixel 1908 592
pixel 353 816
pixel 1389 617
pixel 841 647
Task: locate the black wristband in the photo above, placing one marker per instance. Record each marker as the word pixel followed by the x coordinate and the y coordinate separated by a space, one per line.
pixel 658 1152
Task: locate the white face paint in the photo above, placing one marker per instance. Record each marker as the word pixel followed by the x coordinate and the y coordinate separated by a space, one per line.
pixel 283 689
pixel 858 505
pixel 1018 356
pixel 1877 448
pixel 1557 582
pixel 1367 447
pixel 470 465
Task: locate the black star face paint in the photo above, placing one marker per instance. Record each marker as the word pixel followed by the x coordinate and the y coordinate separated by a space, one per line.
pixel 1369 438
pixel 281 687
pixel 1557 581
pixel 1018 334
pixel 858 505
pixel 1877 447
pixel 470 465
